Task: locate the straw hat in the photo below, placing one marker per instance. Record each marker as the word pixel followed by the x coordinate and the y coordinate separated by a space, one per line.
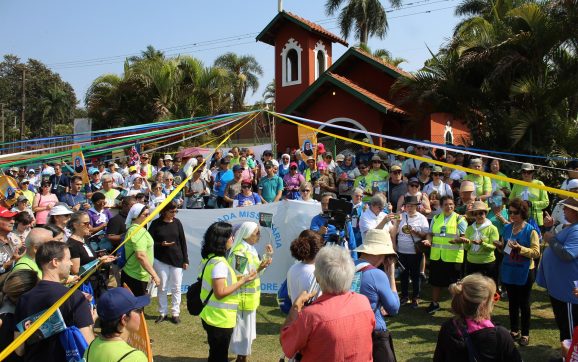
pixel 478 206
pixel 467 186
pixel 571 203
pixel 377 242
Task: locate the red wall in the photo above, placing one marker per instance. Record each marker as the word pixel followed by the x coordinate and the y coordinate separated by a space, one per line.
pixel 307 41
pixel 438 123
pixel 369 77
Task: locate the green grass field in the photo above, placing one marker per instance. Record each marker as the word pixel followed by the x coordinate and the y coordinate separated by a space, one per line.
pixel 414 332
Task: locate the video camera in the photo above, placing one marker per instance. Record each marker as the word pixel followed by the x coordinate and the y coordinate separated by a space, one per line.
pixel 338 211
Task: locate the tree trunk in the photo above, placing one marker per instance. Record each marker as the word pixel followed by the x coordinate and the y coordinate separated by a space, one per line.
pixel 364 34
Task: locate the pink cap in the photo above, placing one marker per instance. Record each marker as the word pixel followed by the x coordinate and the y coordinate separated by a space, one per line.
pixel 293 164
pixel 321 165
pixel 320 148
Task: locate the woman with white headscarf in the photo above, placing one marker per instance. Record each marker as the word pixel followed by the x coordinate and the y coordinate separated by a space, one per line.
pixel 245 259
pixel 139 252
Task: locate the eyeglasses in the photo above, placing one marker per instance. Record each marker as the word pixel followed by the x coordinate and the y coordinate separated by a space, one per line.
pixel 513 212
pixel 169 179
pixel 292 168
pixel 478 213
pixel 396 172
pixel 175 211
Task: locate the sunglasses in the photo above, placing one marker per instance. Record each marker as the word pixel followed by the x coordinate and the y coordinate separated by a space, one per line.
pixel 175 211
pixel 396 172
pixel 413 185
pixel 437 173
pixel 479 213
pixel 169 179
pixel 292 168
pixel 513 212
pixel 376 161
pixel 306 190
pixel 245 187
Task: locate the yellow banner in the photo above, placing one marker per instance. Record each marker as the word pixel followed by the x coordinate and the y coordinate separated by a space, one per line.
pixel 9 190
pixel 307 141
pixel 79 166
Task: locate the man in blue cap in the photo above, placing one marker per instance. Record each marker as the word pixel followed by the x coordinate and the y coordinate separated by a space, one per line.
pixel 119 311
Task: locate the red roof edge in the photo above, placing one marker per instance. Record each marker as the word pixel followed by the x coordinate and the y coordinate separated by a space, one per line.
pixel 318 29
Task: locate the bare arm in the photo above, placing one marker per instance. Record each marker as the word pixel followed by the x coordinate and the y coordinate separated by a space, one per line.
pixel 142 258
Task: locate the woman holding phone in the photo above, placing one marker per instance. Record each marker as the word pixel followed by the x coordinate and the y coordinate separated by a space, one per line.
pixel 245 260
pixel 521 245
pixel 171 258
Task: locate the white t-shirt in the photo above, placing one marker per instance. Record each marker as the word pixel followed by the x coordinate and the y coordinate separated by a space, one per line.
pixel 220 270
pixel 300 278
pixel 369 221
pixel 404 241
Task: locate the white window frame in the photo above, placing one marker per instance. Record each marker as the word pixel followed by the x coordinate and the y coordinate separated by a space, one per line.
pixel 319 47
pixel 291 44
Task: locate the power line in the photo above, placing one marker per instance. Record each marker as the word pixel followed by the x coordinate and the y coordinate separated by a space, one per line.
pixel 224 40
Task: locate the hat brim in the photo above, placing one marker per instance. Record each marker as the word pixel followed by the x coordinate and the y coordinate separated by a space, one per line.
pixel 8 215
pixel 376 250
pixel 142 301
pixel 566 204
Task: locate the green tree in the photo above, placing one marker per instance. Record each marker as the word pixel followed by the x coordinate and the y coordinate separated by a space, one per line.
pixel 243 73
pixel 42 87
pixel 364 17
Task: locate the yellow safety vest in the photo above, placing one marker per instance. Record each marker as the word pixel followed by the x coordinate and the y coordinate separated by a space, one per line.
pixel 441 247
pixel 221 313
pixel 250 293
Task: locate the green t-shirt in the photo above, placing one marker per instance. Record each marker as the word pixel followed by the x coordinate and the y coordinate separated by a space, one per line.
pixel 27 263
pixel 499 184
pixel 141 241
pixel 270 187
pixel 538 197
pixel 484 252
pixel 483 184
pixel 112 351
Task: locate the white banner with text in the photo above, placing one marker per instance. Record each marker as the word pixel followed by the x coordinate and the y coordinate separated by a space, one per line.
pixel 289 219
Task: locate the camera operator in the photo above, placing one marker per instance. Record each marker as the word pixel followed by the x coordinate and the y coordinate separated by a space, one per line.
pixel 319 223
pixel 375 217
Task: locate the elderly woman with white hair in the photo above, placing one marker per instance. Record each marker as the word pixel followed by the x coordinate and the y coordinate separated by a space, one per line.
pixel 482 184
pixel 139 252
pixel 244 259
pixel 338 325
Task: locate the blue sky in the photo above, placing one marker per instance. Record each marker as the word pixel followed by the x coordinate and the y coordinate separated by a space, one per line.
pixel 82 40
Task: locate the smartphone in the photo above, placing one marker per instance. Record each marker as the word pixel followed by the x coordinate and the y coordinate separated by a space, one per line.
pixel 101 252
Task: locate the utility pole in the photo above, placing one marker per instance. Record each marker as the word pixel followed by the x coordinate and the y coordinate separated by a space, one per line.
pixel 2 119
pixel 23 103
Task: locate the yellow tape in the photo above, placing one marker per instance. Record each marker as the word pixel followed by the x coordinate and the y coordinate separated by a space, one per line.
pixel 44 317
pixel 436 162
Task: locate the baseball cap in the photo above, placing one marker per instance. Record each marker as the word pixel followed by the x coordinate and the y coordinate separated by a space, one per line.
pixel 413 180
pixel 24 180
pixel 116 302
pixel 224 161
pixel 132 169
pixel 31 171
pixel 293 164
pixel 268 164
pixel 237 168
pixel 6 214
pixel 168 158
pixel 268 153
pixel 94 171
pixel 230 154
pixel 395 168
pixel 339 157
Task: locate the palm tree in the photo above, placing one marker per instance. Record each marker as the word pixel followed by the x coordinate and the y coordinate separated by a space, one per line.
pixel 150 53
pixel 365 17
pixel 384 55
pixel 269 93
pixel 55 106
pixel 243 72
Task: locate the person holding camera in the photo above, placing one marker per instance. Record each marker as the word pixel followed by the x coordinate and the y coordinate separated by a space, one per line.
pixel 375 217
pixel 319 223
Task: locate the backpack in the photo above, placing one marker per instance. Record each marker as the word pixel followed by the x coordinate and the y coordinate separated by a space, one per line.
pixel 121 258
pixel 194 303
pixel 283 299
pixel 359 269
pixel 73 343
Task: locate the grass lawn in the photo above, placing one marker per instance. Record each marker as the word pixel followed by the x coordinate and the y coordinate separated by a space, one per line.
pixel 414 332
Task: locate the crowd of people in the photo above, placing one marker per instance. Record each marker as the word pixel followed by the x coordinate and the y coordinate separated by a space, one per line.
pixel 411 221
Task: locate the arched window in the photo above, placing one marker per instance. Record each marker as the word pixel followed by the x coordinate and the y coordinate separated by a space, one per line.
pixel 291 63
pixel 292 66
pixel 320 58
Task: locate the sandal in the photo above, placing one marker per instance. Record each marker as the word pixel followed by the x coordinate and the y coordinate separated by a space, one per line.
pixel 515 335
pixel 524 341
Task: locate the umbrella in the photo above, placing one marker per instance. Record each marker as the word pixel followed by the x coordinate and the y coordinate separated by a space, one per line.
pixel 193 151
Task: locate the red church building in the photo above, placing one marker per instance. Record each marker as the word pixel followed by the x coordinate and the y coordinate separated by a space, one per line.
pixel 353 91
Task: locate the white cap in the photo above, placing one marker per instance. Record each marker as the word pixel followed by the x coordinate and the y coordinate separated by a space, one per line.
pixel 572 184
pixel 168 157
pixel 60 209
